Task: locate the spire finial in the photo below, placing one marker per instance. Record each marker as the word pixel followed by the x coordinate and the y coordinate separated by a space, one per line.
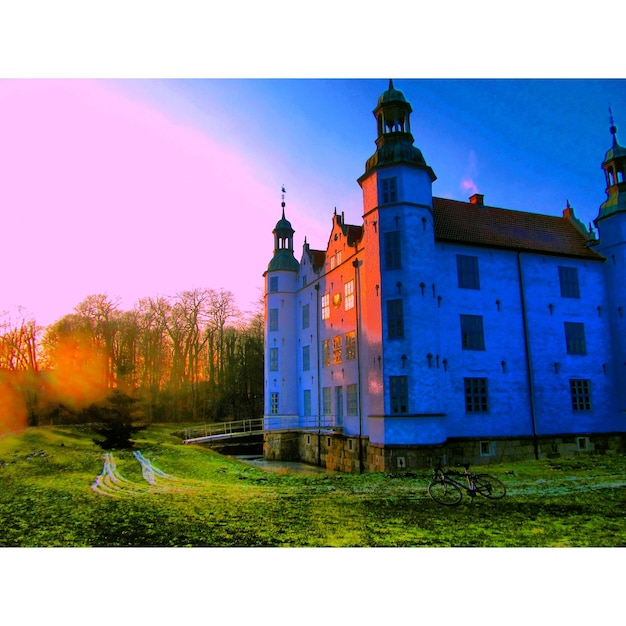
pixel 390 84
pixel 282 197
pixel 613 128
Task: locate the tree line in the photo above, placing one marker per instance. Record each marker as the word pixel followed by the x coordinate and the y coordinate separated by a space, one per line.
pixel 190 357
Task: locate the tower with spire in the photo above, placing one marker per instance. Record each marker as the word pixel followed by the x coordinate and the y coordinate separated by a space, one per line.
pixel 400 238
pixel 611 225
pixel 281 284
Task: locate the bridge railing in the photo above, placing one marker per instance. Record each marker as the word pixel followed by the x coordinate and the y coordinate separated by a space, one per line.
pixel 299 423
pixel 260 424
pixel 225 428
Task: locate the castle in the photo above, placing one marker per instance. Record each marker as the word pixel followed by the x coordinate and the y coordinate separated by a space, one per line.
pixel 445 329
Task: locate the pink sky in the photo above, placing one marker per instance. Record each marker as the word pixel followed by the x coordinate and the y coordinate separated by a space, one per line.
pixel 103 194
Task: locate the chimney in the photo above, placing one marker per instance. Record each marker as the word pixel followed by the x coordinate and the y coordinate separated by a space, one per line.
pixel 478 199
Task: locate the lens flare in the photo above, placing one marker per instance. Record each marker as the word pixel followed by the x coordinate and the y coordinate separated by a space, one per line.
pixel 13 415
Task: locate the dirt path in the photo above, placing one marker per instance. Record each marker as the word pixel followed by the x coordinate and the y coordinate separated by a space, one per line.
pixel 111 483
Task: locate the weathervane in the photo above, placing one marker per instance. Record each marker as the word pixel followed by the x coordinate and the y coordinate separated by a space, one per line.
pixel 282 197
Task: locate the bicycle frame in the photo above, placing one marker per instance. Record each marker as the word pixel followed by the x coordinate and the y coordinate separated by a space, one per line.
pixel 446 475
pixel 445 488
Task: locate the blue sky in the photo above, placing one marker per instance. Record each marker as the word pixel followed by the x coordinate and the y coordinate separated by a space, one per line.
pixel 147 187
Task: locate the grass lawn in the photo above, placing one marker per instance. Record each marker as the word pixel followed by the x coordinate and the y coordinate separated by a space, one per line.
pixel 46 478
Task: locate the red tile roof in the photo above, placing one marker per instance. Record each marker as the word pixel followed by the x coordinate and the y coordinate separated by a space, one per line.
pixel 477 225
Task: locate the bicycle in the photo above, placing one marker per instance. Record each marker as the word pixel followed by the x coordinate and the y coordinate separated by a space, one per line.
pixel 446 489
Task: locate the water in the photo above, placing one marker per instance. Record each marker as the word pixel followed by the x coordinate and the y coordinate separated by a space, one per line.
pixel 275 466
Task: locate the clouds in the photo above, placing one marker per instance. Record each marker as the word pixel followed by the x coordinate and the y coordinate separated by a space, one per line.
pixel 468 183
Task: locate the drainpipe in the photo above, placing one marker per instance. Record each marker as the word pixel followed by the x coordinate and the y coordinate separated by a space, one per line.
pixel 319 380
pixel 357 306
pixel 529 367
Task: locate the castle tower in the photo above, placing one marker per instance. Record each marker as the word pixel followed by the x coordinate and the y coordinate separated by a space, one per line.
pixel 611 224
pixel 281 401
pixel 399 319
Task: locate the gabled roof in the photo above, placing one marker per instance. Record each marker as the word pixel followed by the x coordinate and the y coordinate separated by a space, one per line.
pixel 318 259
pixel 478 225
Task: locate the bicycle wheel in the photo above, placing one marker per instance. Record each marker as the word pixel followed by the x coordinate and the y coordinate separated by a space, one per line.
pixel 489 486
pixel 443 492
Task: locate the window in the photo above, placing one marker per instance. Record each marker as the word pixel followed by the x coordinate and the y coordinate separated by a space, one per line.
pixel 351 400
pixel 325 306
pixel 273 359
pixel 575 338
pixel 389 190
pixel 476 395
pixel 273 284
pixel 274 403
pixel 348 292
pixel 581 395
pixel 350 345
pixel 398 394
pixel 335 260
pixel 326 352
pixel 568 277
pixel 273 320
pixel 472 336
pixel 326 400
pixel 339 403
pixel 304 281
pixel 305 316
pixel 393 255
pixel 486 448
pixel 306 358
pixel 337 350
pixel 395 319
pixel 467 271
pixel 306 399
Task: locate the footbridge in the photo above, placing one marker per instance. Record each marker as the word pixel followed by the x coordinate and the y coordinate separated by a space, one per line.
pixel 258 426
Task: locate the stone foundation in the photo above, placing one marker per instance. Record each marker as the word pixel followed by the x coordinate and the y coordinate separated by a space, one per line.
pixel 341 453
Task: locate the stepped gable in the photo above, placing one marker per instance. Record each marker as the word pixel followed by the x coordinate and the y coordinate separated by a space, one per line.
pixel 478 225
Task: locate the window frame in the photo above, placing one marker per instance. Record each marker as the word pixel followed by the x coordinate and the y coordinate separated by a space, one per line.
pixel 472 332
pixel 468 271
pixel 393 250
pixel 337 350
pixel 273 320
pixel 389 190
pixel 476 394
pixel 569 281
pixel 580 394
pixel 325 352
pixel 274 400
pixel 306 402
pixel 348 295
pixel 399 395
pixel 273 359
pixel 326 401
pixel 351 345
pixel 395 318
pixel 352 400
pixel 326 306
pixel 575 339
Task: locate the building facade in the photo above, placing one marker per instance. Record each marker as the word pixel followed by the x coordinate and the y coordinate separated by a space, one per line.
pixel 446 329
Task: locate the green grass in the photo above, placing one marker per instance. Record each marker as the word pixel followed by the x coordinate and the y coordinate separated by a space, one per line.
pixel 46 499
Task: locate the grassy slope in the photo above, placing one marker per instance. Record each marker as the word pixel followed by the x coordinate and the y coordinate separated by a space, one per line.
pixel 46 500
